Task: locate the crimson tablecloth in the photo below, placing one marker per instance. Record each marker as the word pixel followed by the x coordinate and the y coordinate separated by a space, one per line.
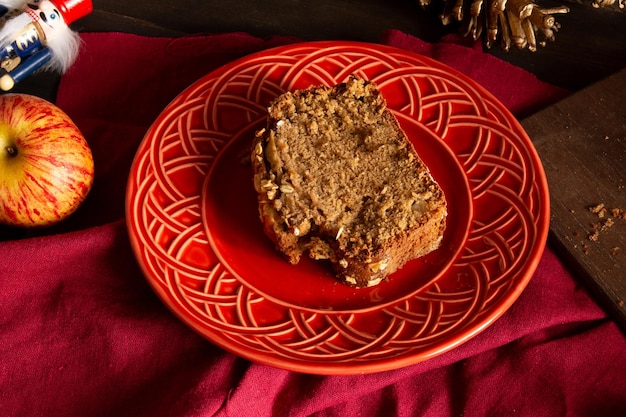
pixel 82 333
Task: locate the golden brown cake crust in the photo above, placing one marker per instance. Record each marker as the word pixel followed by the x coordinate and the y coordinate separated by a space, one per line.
pixel 338 179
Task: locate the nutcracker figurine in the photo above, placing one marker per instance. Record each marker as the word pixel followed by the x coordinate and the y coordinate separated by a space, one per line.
pixel 35 35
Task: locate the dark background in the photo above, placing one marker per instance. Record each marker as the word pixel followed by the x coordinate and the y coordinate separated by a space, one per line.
pixel 590 45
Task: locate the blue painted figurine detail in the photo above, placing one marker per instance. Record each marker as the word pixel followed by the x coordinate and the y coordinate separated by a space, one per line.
pixel 35 35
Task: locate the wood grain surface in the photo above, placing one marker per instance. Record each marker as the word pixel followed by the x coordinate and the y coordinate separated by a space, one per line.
pixel 582 144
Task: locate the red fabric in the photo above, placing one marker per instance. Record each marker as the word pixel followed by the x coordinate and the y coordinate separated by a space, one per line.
pixel 82 333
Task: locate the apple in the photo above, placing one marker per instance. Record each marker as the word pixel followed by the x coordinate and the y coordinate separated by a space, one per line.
pixel 46 165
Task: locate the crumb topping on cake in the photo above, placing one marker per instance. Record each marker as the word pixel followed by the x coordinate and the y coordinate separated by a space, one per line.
pixel 335 171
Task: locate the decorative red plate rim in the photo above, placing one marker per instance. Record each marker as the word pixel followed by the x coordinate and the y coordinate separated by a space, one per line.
pixel 167 208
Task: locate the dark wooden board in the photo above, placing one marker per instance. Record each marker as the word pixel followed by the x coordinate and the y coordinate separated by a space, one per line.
pixel 582 143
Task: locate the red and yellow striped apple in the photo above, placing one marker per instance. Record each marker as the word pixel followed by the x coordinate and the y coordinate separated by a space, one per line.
pixel 46 165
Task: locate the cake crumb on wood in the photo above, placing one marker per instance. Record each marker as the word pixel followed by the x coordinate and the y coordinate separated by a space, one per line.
pixel 598 209
pixel 618 213
pixel 602 226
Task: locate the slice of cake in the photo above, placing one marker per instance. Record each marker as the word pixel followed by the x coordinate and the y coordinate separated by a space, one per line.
pixel 338 179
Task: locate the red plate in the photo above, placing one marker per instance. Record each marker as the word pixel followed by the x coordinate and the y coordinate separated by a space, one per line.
pixel 194 227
